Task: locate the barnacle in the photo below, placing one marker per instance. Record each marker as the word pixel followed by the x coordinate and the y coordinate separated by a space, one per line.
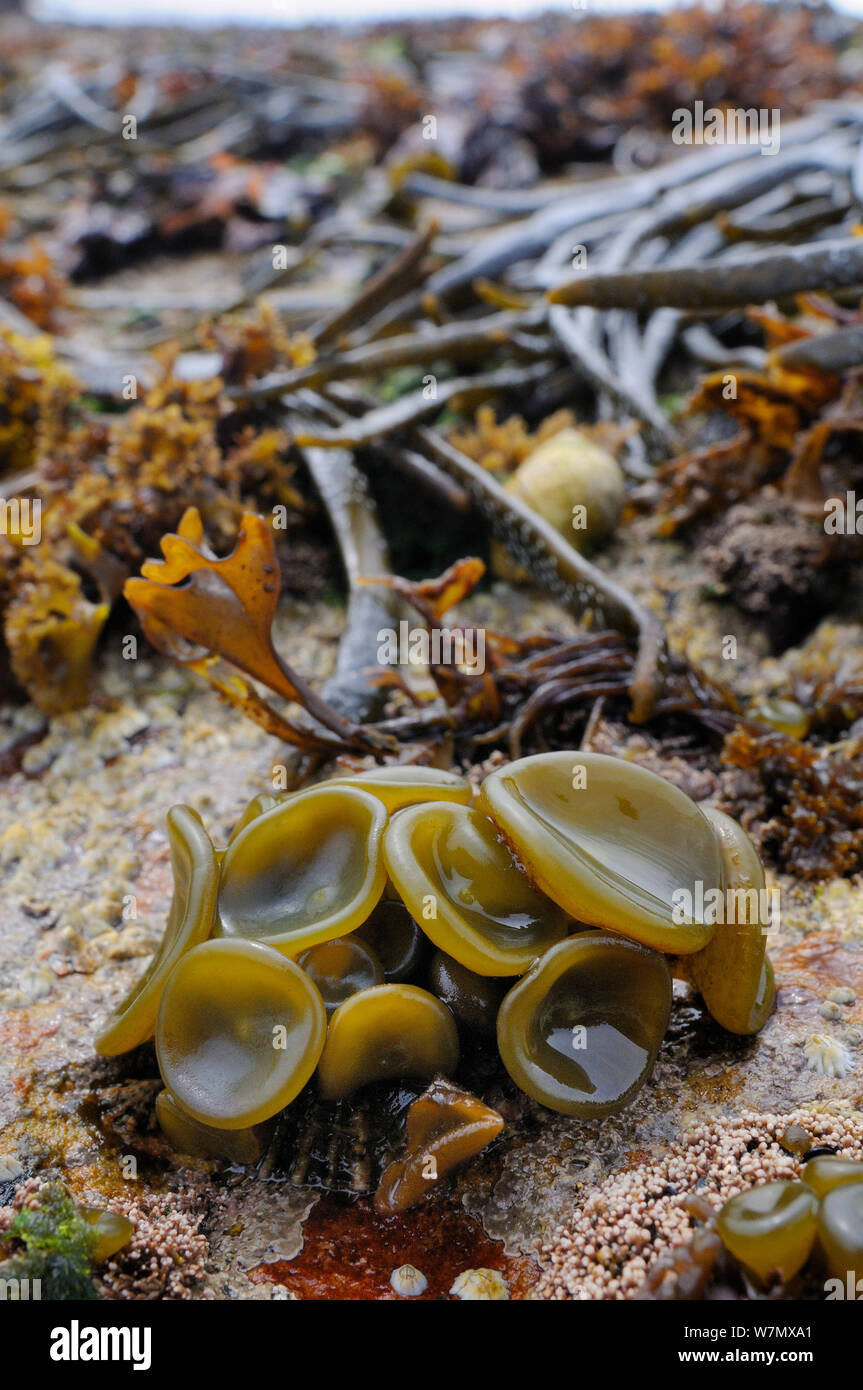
pixel 190 921
pixel 388 1031
pixel 609 841
pixel 445 1127
pixel 826 1055
pixel 239 1032
pixel 480 1286
pixel 581 1030
pixel 466 888
pixel 770 1229
pixel 306 871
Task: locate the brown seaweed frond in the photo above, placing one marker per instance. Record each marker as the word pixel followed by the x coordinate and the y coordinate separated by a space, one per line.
pixel 813 799
pixel 193 605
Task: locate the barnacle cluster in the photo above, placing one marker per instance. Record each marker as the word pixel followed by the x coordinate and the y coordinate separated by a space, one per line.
pixel 299 949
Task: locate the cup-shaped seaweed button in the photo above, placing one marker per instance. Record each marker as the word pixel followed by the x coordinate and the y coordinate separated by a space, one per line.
pixel 445 1127
pixel 732 973
pixel 307 871
pixel 341 968
pixel 388 1031
pixel 240 1031
pixel 580 1032
pixel 190 1136
pixel 263 802
pixel 406 785
pixel 464 887
pixel 396 940
pixel 840 1231
pixel 770 1229
pixel 190 921
pixel 828 1171
pixel 615 845
pixel 472 999
pixel 112 1230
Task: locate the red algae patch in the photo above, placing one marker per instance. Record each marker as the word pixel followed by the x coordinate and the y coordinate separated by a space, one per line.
pixel 349 1252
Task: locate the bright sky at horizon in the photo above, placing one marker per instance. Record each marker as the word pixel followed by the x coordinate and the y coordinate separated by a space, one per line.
pixel 284 13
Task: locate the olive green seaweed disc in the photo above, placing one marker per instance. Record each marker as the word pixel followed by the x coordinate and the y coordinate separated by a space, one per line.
pixel 190 921
pixel 240 1030
pixel 580 1032
pixel 388 1031
pixel 306 871
pixel 401 786
pixel 189 1136
pixel 340 968
pixel 828 1171
pixel 840 1231
pixel 771 1228
pixel 613 844
pixel 264 801
pixel 732 973
pixel 462 884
